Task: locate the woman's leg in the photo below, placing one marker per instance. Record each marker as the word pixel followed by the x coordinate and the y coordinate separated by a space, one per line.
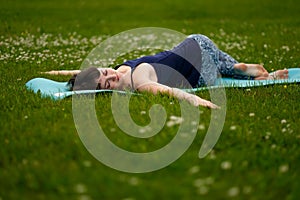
pixel 209 69
pixel 212 57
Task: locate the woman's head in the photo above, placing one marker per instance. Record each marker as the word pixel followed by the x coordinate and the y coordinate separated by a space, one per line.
pixel 95 78
pixel 85 80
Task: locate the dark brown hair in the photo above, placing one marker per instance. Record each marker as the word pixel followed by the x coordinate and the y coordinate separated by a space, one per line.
pixel 85 80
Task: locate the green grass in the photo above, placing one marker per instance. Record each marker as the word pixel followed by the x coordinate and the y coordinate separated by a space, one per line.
pixel 42 156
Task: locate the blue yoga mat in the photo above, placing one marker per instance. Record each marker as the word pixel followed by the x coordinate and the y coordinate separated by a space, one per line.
pixel 60 90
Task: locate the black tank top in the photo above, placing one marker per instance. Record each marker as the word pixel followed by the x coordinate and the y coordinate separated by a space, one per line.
pixel 179 67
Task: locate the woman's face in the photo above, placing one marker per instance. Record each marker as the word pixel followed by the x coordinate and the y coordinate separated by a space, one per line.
pixel 109 78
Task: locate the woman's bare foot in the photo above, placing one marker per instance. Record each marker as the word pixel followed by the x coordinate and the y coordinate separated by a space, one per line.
pixel 259 72
pixel 254 70
pixel 279 74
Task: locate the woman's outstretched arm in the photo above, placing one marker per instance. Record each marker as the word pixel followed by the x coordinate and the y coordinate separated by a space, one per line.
pixel 155 88
pixel 145 79
pixel 63 72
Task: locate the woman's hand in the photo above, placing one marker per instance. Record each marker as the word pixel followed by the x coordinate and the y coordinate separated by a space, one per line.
pixel 197 101
pixel 62 72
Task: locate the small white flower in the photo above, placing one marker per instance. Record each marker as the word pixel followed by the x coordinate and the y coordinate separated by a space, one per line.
pixel 142 130
pixel 174 120
pixel 226 165
pixel 143 112
pixel 203 190
pixel 287 48
pixel 232 128
pixel 87 163
pixel 194 169
pixel 267 137
pixel 133 181
pixel 113 130
pixel 284 168
pixel 199 182
pixel 194 123
pixel 251 114
pixel 201 127
pixel 233 192
pixel 170 123
pixel 283 121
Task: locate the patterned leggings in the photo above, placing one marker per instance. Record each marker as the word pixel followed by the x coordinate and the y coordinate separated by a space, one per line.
pixel 214 62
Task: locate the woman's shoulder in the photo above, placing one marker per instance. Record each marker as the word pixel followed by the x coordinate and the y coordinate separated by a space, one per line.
pixel 123 68
pixel 144 68
pixel 144 72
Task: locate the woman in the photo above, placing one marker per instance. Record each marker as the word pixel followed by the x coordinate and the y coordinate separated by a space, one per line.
pixel 193 63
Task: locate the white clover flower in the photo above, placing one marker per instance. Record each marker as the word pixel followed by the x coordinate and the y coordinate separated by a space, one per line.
pixel 134 181
pixel 283 121
pixel 80 188
pixel 174 120
pixel 286 48
pixel 251 114
pixel 226 165
pixel 195 169
pixel 87 163
pixel 201 127
pixel 284 168
pixel 233 192
pixel 232 128
pixel 170 123
pixel 143 112
pixel 199 182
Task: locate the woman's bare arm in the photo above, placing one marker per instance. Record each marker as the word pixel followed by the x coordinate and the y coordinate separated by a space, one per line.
pixel 62 72
pixel 145 79
pixel 156 88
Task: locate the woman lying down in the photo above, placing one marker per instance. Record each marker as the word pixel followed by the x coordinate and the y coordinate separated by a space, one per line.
pixel 195 62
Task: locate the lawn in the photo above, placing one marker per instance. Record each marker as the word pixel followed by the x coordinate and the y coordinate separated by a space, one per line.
pixel 42 155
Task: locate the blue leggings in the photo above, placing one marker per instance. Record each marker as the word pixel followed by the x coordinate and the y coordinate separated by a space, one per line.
pixel 214 62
